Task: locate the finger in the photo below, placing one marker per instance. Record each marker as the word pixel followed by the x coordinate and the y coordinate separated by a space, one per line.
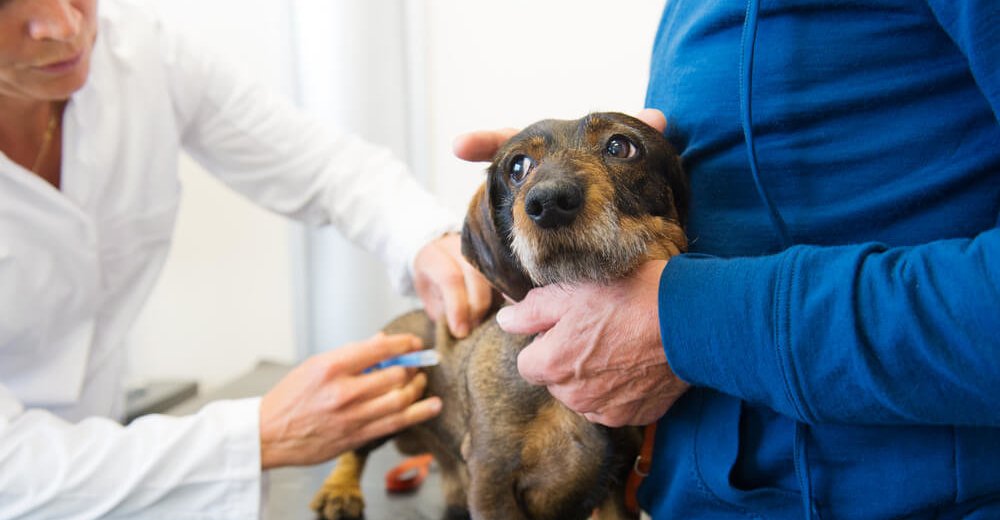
pixel 355 357
pixel 653 118
pixel 531 363
pixel 416 413
pixel 369 386
pixel 452 284
pixel 392 401
pixel 433 305
pixel 574 396
pixel 481 145
pixel 456 303
pixel 479 291
pixel 606 420
pixel 539 311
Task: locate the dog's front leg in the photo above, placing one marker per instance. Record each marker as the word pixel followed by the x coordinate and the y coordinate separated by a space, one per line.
pixel 340 496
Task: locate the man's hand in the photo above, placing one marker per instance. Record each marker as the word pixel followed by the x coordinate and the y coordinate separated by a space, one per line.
pixel 327 405
pixel 598 349
pixel 449 286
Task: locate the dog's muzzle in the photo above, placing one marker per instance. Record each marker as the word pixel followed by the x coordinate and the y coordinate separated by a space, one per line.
pixel 554 203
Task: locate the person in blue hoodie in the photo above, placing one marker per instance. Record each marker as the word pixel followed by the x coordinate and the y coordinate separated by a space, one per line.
pixel 830 345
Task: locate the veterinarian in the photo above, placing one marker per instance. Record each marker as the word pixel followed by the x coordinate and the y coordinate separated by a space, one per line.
pixel 95 104
pixel 835 327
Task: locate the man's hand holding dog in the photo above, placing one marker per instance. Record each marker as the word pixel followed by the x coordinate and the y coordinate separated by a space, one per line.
pixel 449 287
pixel 598 348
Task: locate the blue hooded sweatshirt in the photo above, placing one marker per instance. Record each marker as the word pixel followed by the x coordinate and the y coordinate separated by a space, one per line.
pixel 839 311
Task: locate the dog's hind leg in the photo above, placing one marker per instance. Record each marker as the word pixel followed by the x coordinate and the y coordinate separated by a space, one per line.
pixel 454 481
pixel 491 495
pixel 340 496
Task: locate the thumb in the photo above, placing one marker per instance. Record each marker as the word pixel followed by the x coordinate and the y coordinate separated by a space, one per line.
pixel 481 145
pixel 653 117
pixel 530 362
pixel 538 312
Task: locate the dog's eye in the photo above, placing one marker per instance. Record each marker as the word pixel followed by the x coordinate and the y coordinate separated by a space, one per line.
pixel 520 167
pixel 621 147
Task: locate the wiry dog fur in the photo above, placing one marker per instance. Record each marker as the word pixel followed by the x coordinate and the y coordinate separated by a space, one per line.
pixel 564 201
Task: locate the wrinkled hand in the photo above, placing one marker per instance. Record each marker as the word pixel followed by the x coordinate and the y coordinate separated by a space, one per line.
pixel 326 405
pixel 598 349
pixel 449 286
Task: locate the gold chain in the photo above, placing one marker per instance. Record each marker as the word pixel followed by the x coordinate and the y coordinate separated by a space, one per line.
pixel 50 130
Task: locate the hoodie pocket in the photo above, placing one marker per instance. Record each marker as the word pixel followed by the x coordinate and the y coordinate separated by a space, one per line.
pixel 742 467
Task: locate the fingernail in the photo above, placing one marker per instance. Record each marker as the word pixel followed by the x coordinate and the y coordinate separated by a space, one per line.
pixel 503 317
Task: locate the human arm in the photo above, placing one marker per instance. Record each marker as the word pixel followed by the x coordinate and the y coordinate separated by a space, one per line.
pixel 283 159
pixel 873 297
pixel 854 334
pixel 859 334
pixel 53 468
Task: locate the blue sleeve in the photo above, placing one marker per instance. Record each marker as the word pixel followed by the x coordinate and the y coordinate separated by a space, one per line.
pixel 854 334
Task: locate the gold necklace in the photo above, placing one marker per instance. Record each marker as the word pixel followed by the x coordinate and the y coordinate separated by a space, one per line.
pixel 50 130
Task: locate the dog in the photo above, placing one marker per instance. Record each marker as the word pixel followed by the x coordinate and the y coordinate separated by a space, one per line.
pixel 563 202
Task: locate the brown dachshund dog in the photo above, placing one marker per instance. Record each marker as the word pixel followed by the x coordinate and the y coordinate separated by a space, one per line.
pixel 564 201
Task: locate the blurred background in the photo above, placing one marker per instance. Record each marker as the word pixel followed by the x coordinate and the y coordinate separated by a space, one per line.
pixel 242 285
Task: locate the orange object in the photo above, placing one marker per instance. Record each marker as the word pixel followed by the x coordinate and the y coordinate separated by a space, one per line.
pixel 641 468
pixel 409 474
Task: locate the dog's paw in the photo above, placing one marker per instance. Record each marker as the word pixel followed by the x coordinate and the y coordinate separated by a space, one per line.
pixel 339 503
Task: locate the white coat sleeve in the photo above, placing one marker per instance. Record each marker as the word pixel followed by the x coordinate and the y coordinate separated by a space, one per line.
pixel 262 146
pixel 98 468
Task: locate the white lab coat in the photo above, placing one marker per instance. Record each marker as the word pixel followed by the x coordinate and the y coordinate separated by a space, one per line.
pixel 76 266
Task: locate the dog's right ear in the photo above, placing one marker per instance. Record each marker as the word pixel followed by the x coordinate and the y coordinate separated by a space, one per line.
pixel 488 251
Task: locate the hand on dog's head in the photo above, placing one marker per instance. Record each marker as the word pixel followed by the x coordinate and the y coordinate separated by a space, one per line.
pixel 568 201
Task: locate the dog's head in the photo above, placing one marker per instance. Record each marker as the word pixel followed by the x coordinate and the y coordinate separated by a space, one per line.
pixel 569 201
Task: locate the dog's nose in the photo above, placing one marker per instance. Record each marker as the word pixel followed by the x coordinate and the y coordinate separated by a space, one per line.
pixel 553 204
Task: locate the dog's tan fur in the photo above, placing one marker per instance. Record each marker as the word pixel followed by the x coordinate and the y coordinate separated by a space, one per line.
pixel 507 449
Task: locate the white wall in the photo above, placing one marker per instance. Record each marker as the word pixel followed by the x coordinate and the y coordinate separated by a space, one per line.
pixel 499 64
pixel 355 74
pixel 229 294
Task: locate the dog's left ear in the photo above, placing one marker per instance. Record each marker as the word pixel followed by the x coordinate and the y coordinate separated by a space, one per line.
pixel 488 251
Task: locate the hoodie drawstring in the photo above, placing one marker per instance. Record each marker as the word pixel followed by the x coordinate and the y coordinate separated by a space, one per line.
pixel 746 116
pixel 801 460
pixel 749 43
